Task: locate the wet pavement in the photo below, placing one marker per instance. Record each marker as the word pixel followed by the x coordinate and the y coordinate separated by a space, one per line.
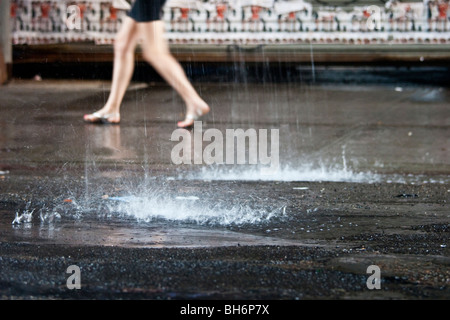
pixel 363 180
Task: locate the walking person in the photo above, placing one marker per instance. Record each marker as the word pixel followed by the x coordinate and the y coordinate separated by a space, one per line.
pixel 143 23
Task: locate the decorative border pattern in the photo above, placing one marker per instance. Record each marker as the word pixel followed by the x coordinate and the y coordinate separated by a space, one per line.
pixel 239 21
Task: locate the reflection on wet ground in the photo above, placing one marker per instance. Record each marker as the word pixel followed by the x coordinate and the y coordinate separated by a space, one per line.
pixel 335 133
pixel 118 232
pixel 363 170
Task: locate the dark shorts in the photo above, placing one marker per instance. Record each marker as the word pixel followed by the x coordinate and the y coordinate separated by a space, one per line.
pixel 146 10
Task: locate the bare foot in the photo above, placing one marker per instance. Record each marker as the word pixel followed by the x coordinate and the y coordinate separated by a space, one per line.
pixel 193 114
pixel 102 117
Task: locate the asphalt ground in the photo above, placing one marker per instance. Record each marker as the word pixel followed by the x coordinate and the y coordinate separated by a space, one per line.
pixel 363 180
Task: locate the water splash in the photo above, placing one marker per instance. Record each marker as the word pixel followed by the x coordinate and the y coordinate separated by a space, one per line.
pixel 310 173
pixel 303 173
pixel 192 210
pixel 25 217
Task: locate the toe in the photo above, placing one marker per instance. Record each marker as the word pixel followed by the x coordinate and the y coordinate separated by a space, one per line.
pixel 90 118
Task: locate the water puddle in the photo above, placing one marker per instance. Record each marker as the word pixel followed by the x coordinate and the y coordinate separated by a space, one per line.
pixel 125 233
pixel 214 206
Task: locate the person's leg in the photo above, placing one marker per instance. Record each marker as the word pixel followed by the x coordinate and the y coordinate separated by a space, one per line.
pixel 124 50
pixel 156 52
